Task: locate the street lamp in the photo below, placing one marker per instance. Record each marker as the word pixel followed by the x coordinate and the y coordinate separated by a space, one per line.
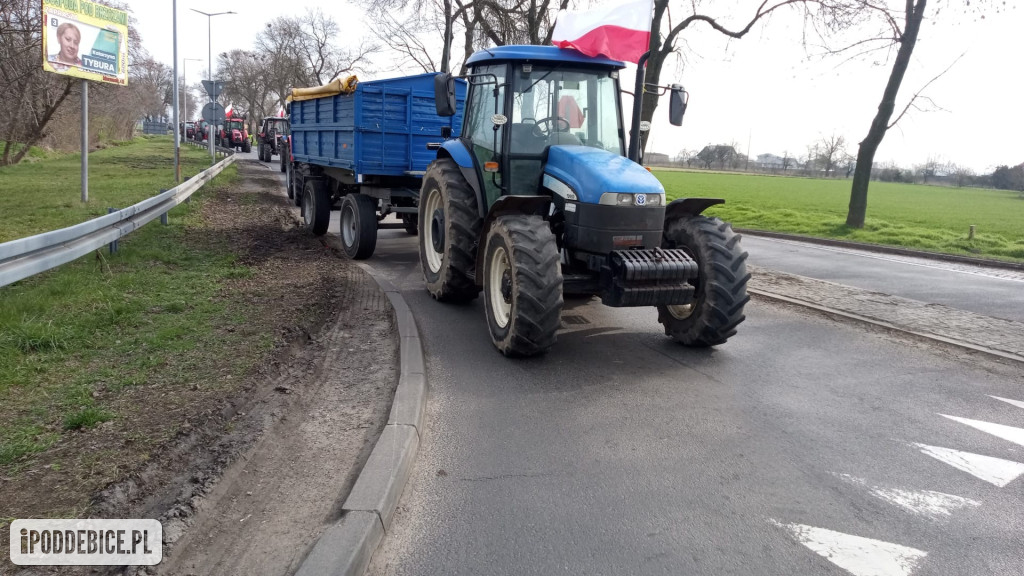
pixel 209 54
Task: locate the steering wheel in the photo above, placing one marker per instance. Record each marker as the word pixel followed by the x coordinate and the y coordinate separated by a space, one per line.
pixel 553 123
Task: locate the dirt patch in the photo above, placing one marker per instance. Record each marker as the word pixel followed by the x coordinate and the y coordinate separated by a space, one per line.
pixel 245 469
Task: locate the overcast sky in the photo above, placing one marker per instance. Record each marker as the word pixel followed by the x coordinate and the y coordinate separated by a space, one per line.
pixel 764 89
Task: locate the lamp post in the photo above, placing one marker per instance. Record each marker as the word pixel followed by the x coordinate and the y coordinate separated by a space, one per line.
pixel 209 63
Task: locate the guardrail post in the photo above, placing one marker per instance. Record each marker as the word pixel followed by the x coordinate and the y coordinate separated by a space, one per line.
pixel 113 245
pixel 163 217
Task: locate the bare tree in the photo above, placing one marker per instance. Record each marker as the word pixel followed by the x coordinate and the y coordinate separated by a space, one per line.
pixel 831 152
pixel 900 29
pixel 245 83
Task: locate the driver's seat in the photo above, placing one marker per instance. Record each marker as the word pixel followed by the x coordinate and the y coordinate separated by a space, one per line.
pixel 525 140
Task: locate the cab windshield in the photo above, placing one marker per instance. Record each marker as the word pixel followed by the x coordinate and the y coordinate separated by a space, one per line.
pixel 552 105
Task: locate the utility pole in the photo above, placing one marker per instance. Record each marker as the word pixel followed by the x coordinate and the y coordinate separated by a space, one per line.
pixel 209 67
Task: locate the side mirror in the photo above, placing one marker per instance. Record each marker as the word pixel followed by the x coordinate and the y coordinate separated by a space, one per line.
pixel 444 94
pixel 677 105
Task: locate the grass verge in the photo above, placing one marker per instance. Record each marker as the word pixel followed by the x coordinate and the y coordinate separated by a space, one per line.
pixel 914 216
pixel 44 195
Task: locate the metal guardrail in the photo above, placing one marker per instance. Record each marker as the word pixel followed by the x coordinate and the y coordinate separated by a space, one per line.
pixel 26 257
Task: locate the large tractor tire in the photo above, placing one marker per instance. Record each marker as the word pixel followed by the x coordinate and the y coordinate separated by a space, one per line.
pixel 358 226
pixel 262 153
pixel 720 289
pixel 316 206
pixel 284 162
pixel 247 147
pixel 522 285
pixel 449 224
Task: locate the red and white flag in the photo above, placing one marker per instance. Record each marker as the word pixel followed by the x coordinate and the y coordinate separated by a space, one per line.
pixel 617 30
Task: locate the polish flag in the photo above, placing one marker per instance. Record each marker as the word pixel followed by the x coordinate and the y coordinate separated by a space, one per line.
pixel 229 110
pixel 616 30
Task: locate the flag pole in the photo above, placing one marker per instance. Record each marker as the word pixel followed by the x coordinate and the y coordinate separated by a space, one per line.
pixel 638 100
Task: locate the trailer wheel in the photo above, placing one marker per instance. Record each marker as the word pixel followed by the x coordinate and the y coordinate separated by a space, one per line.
pixel 298 185
pixel 522 285
pixel 449 225
pixel 411 224
pixel 720 289
pixel 316 206
pixel 289 175
pixel 358 226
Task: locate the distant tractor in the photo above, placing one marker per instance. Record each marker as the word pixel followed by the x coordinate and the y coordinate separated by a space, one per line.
pixel 536 198
pixel 234 134
pixel 272 129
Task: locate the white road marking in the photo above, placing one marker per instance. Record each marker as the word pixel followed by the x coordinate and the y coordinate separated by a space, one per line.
pixel 1016 403
pixel 857 555
pixel 992 470
pixel 1015 435
pixel 923 502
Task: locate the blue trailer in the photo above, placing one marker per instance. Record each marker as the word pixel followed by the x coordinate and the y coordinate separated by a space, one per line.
pixel 365 152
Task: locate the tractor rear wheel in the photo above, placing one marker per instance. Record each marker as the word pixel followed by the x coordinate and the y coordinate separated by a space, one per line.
pixel 449 224
pixel 247 147
pixel 270 156
pixel 262 153
pixel 316 206
pixel 522 285
pixel 358 226
pixel 720 289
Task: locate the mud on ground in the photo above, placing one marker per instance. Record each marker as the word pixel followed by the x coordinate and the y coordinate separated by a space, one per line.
pixel 259 469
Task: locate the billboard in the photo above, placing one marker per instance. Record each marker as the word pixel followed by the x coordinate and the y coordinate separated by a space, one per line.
pixel 85 40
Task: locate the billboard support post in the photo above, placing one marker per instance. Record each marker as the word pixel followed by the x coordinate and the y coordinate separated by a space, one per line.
pixel 85 141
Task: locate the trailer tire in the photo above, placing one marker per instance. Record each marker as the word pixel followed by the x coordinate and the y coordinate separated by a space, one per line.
pixel 358 226
pixel 316 206
pixel 449 226
pixel 289 175
pixel 720 289
pixel 298 184
pixel 522 280
pixel 411 222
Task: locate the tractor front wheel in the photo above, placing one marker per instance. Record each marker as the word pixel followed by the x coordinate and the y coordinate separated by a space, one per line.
pixel 449 225
pixel 522 285
pixel 720 289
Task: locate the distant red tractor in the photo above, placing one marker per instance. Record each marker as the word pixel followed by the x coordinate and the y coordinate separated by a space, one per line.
pixel 234 134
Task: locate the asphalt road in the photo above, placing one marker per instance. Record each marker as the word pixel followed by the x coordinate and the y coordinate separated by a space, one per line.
pixel 990 292
pixel 622 453
pixel 803 446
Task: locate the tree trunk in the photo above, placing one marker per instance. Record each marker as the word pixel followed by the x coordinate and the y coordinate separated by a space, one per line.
pixel 879 126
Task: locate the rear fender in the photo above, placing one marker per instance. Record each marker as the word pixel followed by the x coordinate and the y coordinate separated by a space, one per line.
pixel 504 206
pixel 689 207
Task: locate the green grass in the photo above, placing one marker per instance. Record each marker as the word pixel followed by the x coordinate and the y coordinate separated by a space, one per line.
pixel 35 153
pixel 45 195
pixel 73 338
pixel 914 216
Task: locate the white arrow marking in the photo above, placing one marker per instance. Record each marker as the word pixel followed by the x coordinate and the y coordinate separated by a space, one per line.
pixel 857 555
pixel 992 470
pixel 1015 435
pixel 1016 403
pixel 924 502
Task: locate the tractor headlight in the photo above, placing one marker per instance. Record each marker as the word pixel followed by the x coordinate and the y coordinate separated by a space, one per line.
pixel 625 199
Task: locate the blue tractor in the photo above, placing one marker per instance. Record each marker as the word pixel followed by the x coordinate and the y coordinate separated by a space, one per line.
pixel 536 198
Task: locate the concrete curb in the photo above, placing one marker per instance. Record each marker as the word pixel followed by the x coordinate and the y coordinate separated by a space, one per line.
pixel 347 546
pixel 884 249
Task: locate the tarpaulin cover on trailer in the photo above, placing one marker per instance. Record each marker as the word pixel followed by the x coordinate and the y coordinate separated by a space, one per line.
pixel 336 86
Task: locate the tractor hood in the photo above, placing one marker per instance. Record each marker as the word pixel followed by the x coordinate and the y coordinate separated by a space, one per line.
pixel 590 172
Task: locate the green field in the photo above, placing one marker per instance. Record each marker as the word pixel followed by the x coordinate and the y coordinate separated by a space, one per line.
pixel 925 217
pixel 45 194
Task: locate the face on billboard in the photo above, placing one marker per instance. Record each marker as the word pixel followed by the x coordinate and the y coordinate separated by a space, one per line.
pixel 68 39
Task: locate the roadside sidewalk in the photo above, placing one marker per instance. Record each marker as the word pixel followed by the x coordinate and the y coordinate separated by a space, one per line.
pixel 995 336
